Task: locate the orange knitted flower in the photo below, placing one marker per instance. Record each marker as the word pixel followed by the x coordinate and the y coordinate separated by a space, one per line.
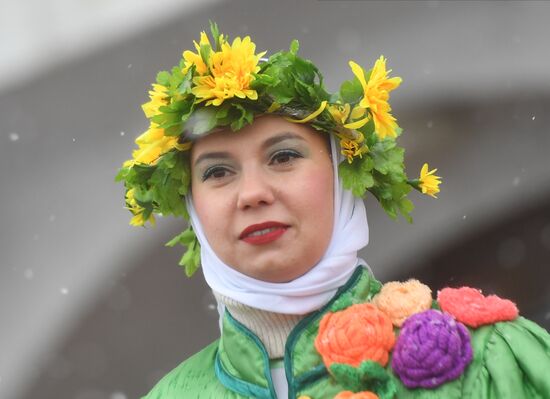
pixel 356 334
pixel 472 308
pixel 358 395
pixel 401 300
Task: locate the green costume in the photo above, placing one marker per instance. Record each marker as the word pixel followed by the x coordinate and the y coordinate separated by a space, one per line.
pixel 510 360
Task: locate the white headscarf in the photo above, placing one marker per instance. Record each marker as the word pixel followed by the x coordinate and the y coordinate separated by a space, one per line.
pixel 312 290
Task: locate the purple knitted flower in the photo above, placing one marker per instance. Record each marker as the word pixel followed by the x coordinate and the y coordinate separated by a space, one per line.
pixel 432 349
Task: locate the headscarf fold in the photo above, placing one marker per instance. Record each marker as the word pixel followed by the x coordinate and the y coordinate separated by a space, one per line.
pixel 315 288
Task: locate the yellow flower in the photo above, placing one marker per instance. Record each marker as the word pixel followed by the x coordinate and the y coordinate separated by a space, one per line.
pixel 158 97
pixel 339 112
pixel 429 183
pixel 152 144
pixel 192 58
pixel 133 206
pixel 376 95
pixel 352 148
pixel 231 72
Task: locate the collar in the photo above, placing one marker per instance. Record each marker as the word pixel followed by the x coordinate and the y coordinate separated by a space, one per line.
pixel 242 361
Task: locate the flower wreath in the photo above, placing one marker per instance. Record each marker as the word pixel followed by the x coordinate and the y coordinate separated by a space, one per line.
pixel 225 85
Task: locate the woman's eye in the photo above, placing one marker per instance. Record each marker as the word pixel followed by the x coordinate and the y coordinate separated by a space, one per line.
pixel 283 157
pixel 215 172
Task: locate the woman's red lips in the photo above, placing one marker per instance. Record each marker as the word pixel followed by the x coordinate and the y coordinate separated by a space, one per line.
pixel 273 230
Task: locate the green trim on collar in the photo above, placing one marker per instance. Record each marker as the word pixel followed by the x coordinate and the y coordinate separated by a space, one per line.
pixel 240 355
pixel 303 365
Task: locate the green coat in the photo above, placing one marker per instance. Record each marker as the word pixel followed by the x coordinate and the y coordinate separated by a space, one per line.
pixel 511 360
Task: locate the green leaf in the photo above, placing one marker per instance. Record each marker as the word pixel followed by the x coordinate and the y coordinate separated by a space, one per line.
pixel 163 78
pixel 263 80
pixel 175 79
pixel 245 116
pixel 351 91
pixel 406 207
pixel 184 238
pixel 122 174
pixel 191 259
pixel 215 34
pixel 387 157
pixel 294 47
pixel 201 121
pixel 205 53
pixel 187 82
pixel 368 376
pixel 357 176
pixel 282 94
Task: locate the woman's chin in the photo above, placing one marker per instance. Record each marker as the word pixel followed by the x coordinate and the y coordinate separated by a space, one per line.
pixel 274 272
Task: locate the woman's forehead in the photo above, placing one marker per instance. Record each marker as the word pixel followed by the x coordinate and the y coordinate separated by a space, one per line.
pixel 262 133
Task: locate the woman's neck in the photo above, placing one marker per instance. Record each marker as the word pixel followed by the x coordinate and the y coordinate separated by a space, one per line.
pixel 270 327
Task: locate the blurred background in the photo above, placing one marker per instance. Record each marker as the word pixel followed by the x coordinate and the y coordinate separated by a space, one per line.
pixel 92 308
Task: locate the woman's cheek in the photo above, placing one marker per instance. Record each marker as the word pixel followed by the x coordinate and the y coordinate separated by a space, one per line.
pixel 319 188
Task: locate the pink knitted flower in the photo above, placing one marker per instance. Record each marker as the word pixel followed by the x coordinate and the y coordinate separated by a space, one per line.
pixel 472 308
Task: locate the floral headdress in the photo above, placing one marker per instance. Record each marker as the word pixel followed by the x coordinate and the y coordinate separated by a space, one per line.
pixel 226 85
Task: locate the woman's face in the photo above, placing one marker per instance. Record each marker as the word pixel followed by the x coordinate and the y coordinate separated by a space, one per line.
pixel 264 196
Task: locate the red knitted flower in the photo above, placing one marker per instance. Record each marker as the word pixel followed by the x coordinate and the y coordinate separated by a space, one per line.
pixel 353 335
pixel 472 308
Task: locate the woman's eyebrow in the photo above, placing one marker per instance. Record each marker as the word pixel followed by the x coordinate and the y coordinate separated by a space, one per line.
pixel 211 155
pixel 267 143
pixel 281 137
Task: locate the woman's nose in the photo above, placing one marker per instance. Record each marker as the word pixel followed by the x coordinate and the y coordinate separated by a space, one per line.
pixel 254 190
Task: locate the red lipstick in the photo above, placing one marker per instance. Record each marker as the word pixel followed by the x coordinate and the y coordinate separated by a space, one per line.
pixel 263 233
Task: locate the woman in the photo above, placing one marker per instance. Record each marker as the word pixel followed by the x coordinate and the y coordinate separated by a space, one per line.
pixel 271 169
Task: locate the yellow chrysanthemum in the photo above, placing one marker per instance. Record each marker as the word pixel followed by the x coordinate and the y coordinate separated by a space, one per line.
pixel 376 95
pixel 192 58
pixel 132 205
pixel 158 97
pixel 429 183
pixel 152 144
pixel 231 72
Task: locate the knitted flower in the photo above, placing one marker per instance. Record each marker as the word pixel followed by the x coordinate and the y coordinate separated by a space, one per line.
pixel 432 349
pixel 401 300
pixel 360 332
pixel 358 395
pixel 472 308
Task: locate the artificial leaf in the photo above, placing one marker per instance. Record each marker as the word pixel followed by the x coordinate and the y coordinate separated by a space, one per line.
pixel 163 78
pixel 215 34
pixel 351 91
pixel 294 46
pixel 357 176
pixel 202 121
